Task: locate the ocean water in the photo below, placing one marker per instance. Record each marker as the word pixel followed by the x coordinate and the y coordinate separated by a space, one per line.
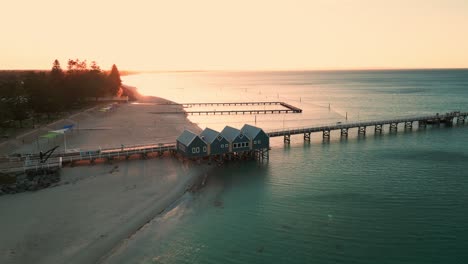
pixel 387 198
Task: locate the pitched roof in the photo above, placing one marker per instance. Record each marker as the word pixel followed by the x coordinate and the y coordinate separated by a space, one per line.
pixel 186 137
pixel 250 131
pixel 209 135
pixel 231 133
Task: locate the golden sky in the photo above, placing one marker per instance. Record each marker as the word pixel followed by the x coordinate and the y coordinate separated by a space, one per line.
pixel 235 35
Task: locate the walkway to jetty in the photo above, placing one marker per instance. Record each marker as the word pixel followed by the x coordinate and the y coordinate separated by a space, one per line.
pixel 33 163
pixel 287 108
pixel 26 163
pixel 378 125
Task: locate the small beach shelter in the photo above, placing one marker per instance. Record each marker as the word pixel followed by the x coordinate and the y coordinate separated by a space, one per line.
pixel 217 143
pixel 237 139
pixel 68 127
pixel 258 138
pixel 191 145
pixel 62 132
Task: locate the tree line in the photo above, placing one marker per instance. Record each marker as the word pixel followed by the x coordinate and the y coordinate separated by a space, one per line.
pixel 33 94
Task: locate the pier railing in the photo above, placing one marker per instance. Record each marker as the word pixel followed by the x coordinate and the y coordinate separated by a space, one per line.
pixel 33 161
pixel 365 123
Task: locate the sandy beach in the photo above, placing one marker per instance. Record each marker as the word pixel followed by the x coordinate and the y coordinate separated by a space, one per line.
pixel 94 208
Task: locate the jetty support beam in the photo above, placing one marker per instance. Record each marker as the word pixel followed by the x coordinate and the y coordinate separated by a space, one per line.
pixel 362 130
pixel 307 136
pixel 461 119
pixel 344 132
pixel 393 126
pixel 326 134
pixel 422 123
pixel 287 138
pixel 378 128
pixel 409 125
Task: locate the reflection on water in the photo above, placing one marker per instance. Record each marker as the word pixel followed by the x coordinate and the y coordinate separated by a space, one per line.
pixel 384 198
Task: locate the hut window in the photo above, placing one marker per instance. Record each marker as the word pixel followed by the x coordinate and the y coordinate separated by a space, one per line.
pixel 235 145
pixel 247 144
pixel 226 145
pixel 196 150
pixel 241 135
pixel 255 142
pixel 220 138
pixel 204 149
pixel 222 145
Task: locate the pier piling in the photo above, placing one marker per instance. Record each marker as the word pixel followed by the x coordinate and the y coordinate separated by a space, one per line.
pixel 362 130
pixel 378 128
pixel 409 125
pixel 344 132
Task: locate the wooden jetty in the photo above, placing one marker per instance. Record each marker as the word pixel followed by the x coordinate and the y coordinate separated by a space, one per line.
pixel 224 103
pixel 287 108
pixel 57 160
pixel 378 125
pixel 25 163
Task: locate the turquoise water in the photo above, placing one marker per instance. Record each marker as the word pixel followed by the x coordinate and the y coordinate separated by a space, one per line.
pixel 391 198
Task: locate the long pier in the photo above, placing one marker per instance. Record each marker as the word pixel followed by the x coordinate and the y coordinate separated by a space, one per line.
pixel 26 163
pixel 287 108
pixel 378 125
pixel 224 103
pixel 33 163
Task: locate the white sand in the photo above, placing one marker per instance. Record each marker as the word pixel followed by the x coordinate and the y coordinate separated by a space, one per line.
pixel 96 207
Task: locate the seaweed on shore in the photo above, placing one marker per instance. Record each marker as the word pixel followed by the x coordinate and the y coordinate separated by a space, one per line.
pixel 12 183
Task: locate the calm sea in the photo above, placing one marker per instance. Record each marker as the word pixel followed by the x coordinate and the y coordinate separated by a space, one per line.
pixel 391 198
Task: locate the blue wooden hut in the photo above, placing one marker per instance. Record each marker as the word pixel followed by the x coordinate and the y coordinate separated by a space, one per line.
pixel 237 140
pixel 217 143
pixel 191 145
pixel 258 138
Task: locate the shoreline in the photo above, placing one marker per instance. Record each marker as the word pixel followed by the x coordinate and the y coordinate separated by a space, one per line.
pixel 94 209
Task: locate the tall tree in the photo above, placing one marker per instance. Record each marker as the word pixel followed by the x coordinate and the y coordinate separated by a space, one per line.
pixel 16 100
pixel 114 80
pixel 56 69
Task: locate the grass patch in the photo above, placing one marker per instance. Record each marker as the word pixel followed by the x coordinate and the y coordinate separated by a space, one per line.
pixel 7 178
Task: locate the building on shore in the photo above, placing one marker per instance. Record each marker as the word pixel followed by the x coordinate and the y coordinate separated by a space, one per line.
pixel 258 138
pixel 217 143
pixel 238 142
pixel 191 145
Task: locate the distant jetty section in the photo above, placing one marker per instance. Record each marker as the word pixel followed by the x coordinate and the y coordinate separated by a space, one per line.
pixel 287 108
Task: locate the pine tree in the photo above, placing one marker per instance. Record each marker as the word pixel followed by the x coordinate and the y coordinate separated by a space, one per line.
pixel 114 80
pixel 56 67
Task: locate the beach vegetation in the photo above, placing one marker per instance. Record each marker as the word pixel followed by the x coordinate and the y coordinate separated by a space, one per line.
pixel 34 95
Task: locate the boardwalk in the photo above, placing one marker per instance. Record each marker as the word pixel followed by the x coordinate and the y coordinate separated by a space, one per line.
pixel 32 162
pixel 224 104
pixel 287 108
pixel 378 125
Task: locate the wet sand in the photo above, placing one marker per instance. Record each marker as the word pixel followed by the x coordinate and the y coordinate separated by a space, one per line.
pixel 94 208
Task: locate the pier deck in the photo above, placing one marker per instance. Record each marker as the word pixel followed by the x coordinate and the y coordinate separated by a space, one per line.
pixel 32 162
pixel 377 124
pixel 287 108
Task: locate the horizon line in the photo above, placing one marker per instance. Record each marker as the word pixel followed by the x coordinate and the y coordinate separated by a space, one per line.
pixel 272 70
